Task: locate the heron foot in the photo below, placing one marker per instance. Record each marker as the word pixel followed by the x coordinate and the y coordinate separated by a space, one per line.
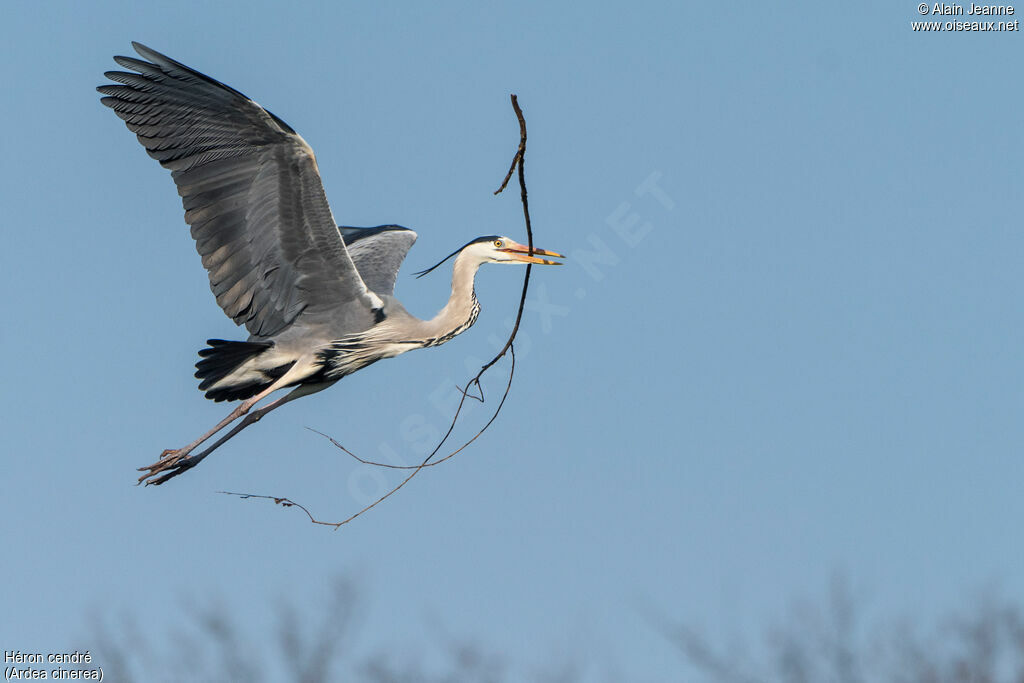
pixel 173 462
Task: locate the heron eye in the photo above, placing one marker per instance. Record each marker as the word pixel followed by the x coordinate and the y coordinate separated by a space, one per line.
pixel 497 243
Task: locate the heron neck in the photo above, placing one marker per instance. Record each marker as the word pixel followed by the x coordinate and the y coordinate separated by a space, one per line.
pixel 462 308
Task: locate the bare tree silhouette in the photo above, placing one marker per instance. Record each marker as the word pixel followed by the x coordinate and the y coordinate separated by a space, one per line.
pixel 823 641
pixel 833 643
pixel 304 647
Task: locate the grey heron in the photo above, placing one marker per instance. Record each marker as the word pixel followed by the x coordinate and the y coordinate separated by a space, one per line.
pixel 317 299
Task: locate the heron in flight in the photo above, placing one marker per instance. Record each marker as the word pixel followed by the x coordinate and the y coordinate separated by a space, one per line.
pixel 317 299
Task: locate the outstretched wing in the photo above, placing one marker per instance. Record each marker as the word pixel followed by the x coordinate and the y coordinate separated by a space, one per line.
pixel 251 191
pixel 378 253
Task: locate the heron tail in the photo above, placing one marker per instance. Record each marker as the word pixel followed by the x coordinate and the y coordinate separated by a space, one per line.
pixel 219 360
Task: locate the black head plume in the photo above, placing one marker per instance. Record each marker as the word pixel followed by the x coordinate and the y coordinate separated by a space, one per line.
pixel 489 238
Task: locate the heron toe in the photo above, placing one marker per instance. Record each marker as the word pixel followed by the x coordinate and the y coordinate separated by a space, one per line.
pixel 169 459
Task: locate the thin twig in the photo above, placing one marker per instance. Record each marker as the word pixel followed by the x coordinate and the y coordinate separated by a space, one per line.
pixel 522 145
pixel 518 161
pixel 283 502
pixel 427 462
pixel 520 157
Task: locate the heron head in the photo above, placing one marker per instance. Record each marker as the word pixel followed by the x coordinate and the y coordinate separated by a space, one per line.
pixel 499 249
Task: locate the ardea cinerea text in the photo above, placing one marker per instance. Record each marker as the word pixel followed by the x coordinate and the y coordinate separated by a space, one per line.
pixel 316 299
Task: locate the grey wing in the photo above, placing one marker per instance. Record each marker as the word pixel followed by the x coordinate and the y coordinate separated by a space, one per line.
pixel 251 191
pixel 378 253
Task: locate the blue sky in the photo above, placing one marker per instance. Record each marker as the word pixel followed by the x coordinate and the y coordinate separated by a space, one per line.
pixel 803 356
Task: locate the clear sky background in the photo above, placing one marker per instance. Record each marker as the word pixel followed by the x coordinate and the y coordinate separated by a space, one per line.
pixel 804 355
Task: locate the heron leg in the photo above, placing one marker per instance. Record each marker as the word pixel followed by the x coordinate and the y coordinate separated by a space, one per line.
pixel 185 462
pixel 171 457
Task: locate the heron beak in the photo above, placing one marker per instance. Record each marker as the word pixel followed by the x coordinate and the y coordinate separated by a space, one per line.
pixel 522 253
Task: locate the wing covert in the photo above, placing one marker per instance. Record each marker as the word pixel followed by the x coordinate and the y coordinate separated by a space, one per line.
pixel 378 253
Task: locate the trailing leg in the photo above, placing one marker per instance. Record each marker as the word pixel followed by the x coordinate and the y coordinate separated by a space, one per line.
pixel 180 461
pixel 171 457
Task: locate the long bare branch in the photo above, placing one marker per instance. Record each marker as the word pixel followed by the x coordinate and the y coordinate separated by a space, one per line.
pixel 518 162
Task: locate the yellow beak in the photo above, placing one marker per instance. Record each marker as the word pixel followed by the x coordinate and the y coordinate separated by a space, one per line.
pixel 521 252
